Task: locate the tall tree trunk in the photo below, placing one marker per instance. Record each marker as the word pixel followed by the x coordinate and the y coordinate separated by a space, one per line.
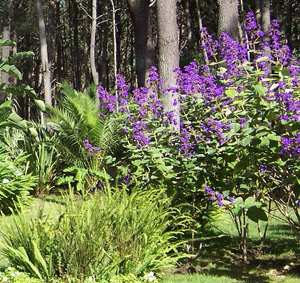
pixel 229 18
pixel 44 54
pixel 6 35
pixel 93 42
pixel 258 13
pixel 140 15
pixel 188 24
pixel 200 28
pixel 168 45
pixel 265 26
pixel 103 62
pixel 76 48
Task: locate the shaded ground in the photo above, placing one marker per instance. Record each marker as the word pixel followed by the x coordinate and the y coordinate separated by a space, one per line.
pixel 278 262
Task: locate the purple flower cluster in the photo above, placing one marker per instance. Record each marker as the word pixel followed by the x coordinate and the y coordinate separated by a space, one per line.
pixel 215 197
pixel 280 52
pixel 91 149
pixel 142 108
pixel 291 145
pixel 216 128
pixel 126 179
pixel 187 145
pixel 253 35
pixel 107 101
pixel 194 82
pixel 208 44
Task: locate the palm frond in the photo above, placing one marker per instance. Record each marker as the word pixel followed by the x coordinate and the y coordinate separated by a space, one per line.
pixel 77 119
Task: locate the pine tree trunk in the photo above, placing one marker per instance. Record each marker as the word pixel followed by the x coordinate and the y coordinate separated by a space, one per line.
pixel 6 35
pixel 228 18
pixel 265 26
pixel 140 16
pixel 44 54
pixel 168 45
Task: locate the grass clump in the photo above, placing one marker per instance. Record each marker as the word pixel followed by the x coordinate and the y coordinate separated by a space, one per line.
pixel 111 233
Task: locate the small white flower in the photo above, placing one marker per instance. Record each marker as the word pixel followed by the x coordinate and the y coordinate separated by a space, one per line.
pixel 5 279
pixel 9 268
pixel 91 279
pixel 151 274
pixel 151 279
pixel 18 273
pixel 18 173
pixel 12 275
pixel 5 181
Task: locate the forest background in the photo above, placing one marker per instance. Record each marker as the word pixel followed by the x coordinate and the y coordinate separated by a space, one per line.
pixel 89 42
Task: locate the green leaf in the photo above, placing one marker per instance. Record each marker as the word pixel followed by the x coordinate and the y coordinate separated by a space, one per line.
pixel 285 72
pixel 274 137
pixel 231 93
pixel 261 132
pixel 19 56
pixel 264 142
pixel 136 162
pixel 2 85
pixel 15 117
pixel 237 211
pixel 11 70
pixel 249 201
pixel 245 187
pixel 164 168
pixel 296 189
pixel 33 132
pixel 263 59
pixel 238 201
pixel 246 141
pixel 40 104
pixel 235 127
pixel 23 124
pixel 6 43
pixel 248 68
pixel 260 89
pixel 255 214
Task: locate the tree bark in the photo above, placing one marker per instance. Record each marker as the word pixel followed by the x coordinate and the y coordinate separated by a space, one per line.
pixel 228 18
pixel 140 16
pixel 168 45
pixel 265 26
pixel 44 54
pixel 6 35
pixel 93 42
pixel 189 24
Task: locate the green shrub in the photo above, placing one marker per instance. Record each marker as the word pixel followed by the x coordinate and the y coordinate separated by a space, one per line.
pixel 111 233
pixel 15 184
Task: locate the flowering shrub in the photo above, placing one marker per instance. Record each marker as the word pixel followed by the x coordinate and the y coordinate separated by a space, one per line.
pixel 239 132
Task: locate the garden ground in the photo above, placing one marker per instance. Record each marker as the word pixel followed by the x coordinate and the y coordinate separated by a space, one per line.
pixel 220 260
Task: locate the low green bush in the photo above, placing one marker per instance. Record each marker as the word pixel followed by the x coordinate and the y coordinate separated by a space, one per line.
pixel 112 233
pixel 15 183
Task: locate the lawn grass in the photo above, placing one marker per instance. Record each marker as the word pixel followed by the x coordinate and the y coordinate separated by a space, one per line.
pixel 220 260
